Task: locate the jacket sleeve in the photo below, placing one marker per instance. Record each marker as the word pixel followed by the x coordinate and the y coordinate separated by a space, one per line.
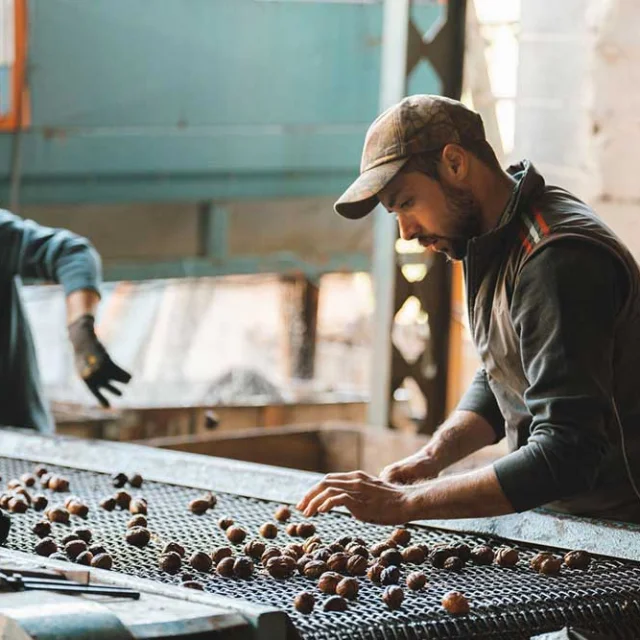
pixel 32 251
pixel 480 399
pixel 564 309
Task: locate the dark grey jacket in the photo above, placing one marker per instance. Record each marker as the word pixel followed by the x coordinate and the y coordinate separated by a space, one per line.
pixel 31 251
pixel 554 309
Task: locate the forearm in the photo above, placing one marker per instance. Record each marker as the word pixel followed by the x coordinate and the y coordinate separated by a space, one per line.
pixel 81 302
pixel 471 495
pixel 463 433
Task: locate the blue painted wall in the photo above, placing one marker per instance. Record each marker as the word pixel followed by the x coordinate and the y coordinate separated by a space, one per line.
pixel 151 100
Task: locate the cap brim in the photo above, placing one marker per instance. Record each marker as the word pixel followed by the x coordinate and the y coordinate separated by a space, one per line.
pixel 362 196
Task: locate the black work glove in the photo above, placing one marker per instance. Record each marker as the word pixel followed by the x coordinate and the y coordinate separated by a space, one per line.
pixel 93 363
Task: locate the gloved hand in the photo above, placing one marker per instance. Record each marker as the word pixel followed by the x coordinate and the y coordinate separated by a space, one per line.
pixel 92 361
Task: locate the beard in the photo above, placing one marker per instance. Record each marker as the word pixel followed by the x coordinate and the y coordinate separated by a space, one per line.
pixel 465 216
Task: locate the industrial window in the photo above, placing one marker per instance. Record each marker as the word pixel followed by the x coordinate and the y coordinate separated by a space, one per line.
pixel 12 63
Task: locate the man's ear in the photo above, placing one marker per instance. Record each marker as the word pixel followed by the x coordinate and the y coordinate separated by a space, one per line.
pixel 455 163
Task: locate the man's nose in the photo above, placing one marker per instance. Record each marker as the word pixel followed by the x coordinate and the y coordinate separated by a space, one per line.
pixel 406 227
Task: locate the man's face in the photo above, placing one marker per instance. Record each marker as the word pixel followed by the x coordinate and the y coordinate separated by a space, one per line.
pixel 439 215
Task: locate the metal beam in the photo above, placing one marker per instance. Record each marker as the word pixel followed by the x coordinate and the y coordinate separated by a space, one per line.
pixel 395 38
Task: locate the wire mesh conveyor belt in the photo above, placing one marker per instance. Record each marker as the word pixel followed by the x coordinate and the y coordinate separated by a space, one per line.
pixel 506 603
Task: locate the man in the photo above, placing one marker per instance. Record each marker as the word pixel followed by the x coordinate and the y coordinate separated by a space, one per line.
pixel 35 252
pixel 554 310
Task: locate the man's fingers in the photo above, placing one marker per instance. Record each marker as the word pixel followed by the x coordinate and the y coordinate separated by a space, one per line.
pixel 339 480
pixel 339 500
pixel 315 504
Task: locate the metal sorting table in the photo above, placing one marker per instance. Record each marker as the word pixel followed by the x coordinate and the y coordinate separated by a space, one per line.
pixel 506 603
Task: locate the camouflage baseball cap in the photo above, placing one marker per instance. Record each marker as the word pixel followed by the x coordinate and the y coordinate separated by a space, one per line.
pixel 416 124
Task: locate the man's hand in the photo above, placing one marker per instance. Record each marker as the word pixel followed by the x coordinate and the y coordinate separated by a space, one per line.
pixel 92 361
pixel 368 498
pixel 417 467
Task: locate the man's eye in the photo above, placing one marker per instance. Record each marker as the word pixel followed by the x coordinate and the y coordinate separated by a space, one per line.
pixel 407 203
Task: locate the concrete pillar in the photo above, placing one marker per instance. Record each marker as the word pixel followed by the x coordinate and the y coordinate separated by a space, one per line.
pixel 578 105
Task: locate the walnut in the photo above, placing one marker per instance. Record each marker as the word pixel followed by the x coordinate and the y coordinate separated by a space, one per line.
pixel 22 492
pixel 336 547
pixel 59 484
pixel 391 557
pixel 347 588
pixel 27 479
pixel 482 555
pixel 46 547
pixel 416 580
pixel 328 582
pixel 69 538
pixel 97 549
pixel 211 498
pixel 78 509
pixel 138 537
pixel 378 549
pixel 453 564
pixel 462 551
pixel 40 470
pixel 170 547
pixel 401 536
pixel 322 554
pixel 255 549
pixel 538 559
pixel 138 506
pixel 306 529
pixel 335 603
pixel 507 557
pixel 282 514
pixel 86 558
pixel 200 561
pixel 393 597
pixel 374 573
pixel 18 505
pixel 315 568
pixel 170 562
pixel 270 552
pixel 5 498
pixel 268 530
pixel 359 541
pixel 302 562
pixel 136 480
pixel 294 550
pixel 551 566
pixel 102 561
pixel 42 528
pixel 414 555
pixel 137 521
pixel 224 568
pixel 44 480
pixel 74 548
pixel 13 484
pixel 243 567
pixel 40 502
pixel 344 541
pixel 83 534
pixel 281 567
pixel 225 523
pixel 390 575
pixel 118 480
pixel 122 498
pixel 358 550
pixel 456 603
pixel 199 506
pixel 57 514
pixel 292 529
pixel 185 577
pixel 108 504
pixel 311 543
pixel 577 559
pixel 193 584
pixel 304 602
pixel 236 535
pixel 357 565
pixel 439 555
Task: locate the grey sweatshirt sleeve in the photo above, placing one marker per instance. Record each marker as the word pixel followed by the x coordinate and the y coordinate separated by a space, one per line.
pixel 32 251
pixel 480 399
pixel 564 308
